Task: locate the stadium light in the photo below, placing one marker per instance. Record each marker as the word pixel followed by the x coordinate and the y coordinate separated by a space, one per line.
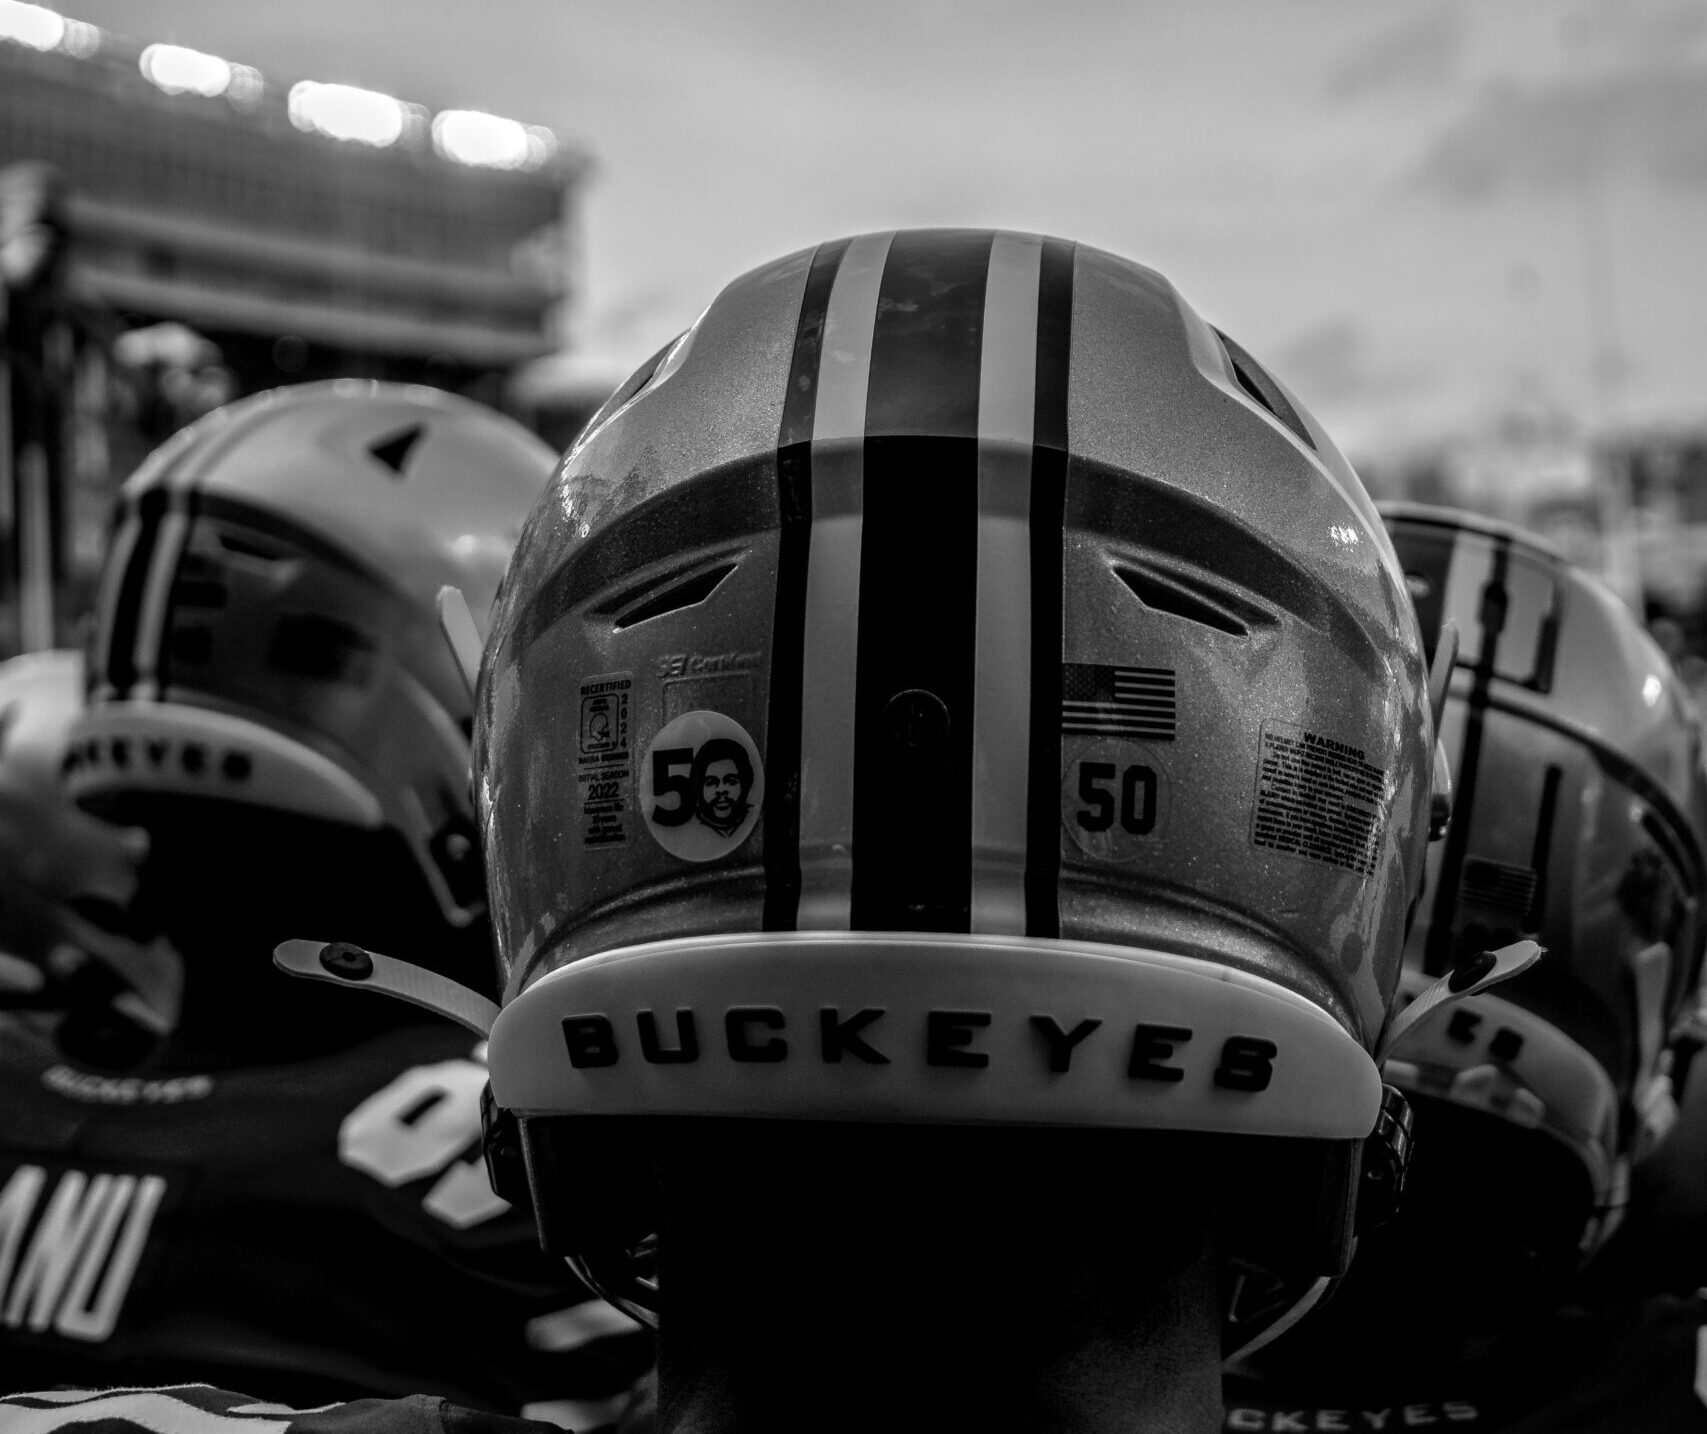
pixel 490 141
pixel 542 144
pixel 32 25
pixel 470 137
pixel 80 38
pixel 345 112
pixel 244 91
pixel 182 71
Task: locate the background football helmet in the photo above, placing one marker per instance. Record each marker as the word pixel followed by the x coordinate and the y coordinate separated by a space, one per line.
pixel 68 883
pixel 54 859
pixel 952 683
pixel 1580 819
pixel 269 691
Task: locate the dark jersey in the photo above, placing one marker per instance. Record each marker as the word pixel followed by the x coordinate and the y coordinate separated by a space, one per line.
pixel 312 1231
pixel 1608 1371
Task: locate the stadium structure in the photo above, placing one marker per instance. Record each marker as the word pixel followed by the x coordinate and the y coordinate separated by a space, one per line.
pixel 225 231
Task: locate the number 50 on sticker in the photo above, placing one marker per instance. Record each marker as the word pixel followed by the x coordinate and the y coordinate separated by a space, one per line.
pixel 1114 799
pixel 701 786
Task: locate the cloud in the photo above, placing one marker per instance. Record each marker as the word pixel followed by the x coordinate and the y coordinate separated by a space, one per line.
pixel 1420 54
pixel 1649 123
pixel 1621 32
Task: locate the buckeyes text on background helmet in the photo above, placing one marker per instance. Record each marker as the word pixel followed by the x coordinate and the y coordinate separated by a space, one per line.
pixel 266 633
pixel 69 944
pixel 952 683
pixel 64 877
pixel 1579 819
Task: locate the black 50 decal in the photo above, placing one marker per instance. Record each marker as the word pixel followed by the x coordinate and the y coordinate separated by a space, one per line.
pixel 1136 784
pixel 672 776
pixel 702 786
pixel 1114 798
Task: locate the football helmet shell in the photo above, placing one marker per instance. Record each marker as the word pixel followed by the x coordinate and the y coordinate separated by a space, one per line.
pixel 952 682
pixel 1580 819
pixel 266 626
pixel 51 854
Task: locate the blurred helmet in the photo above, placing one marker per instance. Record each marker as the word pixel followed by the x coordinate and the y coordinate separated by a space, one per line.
pixel 266 645
pixel 58 866
pixel 69 945
pixel 1580 819
pixel 952 683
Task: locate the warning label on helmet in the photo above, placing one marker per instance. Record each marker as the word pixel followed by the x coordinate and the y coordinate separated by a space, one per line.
pixel 1319 798
pixel 604 761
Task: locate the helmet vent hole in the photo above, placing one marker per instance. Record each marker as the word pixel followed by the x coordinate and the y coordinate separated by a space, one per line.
pixel 1255 381
pixel 199 583
pixel 256 549
pixel 320 648
pixel 1170 594
pixel 394 451
pixel 674 598
pixel 642 377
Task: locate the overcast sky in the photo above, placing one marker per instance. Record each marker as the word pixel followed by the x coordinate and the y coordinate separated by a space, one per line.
pixel 1421 215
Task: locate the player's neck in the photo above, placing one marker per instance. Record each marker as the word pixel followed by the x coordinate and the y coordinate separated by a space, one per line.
pixel 823 1377
pixel 918 1300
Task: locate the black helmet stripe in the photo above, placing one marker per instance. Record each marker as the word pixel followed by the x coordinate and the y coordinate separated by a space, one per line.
pixel 1491 610
pixel 148 546
pixel 833 610
pixel 946 420
pixel 131 551
pixel 133 611
pixel 153 622
pixel 1048 517
pixel 1541 850
pixel 912 799
pixel 788 636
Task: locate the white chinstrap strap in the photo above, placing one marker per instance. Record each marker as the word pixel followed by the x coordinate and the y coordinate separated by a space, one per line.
pixel 456 622
pixel 348 965
pixel 1466 979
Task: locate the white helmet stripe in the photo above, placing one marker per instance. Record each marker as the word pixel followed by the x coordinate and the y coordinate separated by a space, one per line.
pixel 988 387
pixel 1001 703
pixel 107 602
pixel 157 592
pixel 831 637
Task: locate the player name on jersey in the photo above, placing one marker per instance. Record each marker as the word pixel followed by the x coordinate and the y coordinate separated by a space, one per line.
pixel 70 1241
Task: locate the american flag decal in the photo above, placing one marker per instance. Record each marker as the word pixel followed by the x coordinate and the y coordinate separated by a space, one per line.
pixel 1118 701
